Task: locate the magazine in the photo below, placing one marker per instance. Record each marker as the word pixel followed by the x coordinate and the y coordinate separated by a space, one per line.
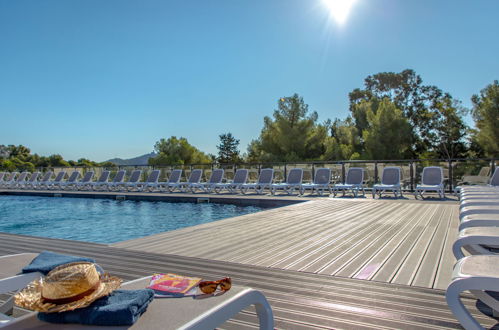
pixel 173 285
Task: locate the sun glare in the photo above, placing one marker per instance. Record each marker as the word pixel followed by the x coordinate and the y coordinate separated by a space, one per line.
pixel 339 9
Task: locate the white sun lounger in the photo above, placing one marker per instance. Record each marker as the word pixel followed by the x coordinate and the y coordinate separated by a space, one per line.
pixel 216 177
pixel 33 179
pixel 86 181
pixel 432 179
pixel 476 240
pixel 117 180
pixel 101 183
pixel 194 178
pixel 9 179
pixel 264 182
pixel 21 179
pixel 321 182
pixel 173 180
pixel 293 182
pixel 240 178
pixel 354 182
pixel 186 313
pixel 151 181
pixel 2 175
pixel 132 181
pixel 71 182
pixel 390 181
pixel 478 274
pixel 43 181
pixel 55 183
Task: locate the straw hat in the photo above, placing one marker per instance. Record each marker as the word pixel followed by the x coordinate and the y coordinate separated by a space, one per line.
pixel 67 287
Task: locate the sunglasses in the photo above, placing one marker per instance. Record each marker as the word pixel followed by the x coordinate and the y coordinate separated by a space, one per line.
pixel 211 286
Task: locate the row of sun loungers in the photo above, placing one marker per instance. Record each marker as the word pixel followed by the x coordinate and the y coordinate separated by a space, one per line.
pixel 431 180
pixel 478 272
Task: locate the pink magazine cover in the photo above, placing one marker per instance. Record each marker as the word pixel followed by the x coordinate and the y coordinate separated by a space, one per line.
pixel 172 284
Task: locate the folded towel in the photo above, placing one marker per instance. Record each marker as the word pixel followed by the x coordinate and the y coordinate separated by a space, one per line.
pixel 46 261
pixel 122 307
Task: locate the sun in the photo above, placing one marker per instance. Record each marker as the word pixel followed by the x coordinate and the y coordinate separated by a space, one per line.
pixel 339 9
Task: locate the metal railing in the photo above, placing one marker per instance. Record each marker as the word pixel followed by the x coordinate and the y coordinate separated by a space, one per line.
pixel 456 171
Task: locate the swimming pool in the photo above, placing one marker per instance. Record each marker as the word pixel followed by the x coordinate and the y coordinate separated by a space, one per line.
pixel 104 220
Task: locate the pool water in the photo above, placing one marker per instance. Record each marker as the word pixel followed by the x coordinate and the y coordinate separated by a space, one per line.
pixel 103 220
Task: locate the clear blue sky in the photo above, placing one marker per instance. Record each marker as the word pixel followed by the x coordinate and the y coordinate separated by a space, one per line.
pixel 102 79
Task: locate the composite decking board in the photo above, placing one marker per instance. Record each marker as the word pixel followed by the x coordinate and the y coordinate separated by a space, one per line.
pixel 427 271
pixel 447 260
pixel 381 259
pixel 408 269
pixel 339 305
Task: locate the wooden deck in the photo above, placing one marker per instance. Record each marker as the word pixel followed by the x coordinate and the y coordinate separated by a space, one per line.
pixel 386 241
pixel 299 300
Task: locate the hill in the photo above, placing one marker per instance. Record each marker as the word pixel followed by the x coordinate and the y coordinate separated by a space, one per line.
pixel 140 160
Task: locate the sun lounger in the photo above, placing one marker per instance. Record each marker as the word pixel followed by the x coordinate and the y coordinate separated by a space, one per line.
pixel 55 183
pixel 117 180
pixel 216 177
pixel 321 182
pixel 150 183
pixel 478 274
pixel 132 181
pixel 194 178
pixel 33 179
pixel 2 175
pixel 87 180
pixel 354 182
pixel 264 182
pixel 21 179
pixel 479 220
pixel 172 313
pixel 432 179
pixel 390 181
pixel 173 179
pixel 9 179
pixel 240 178
pixel 293 182
pixel 71 182
pixel 476 240
pixel 43 181
pixel 101 183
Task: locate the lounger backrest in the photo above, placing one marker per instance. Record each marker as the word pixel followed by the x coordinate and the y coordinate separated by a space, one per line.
pixel 34 177
pixel 46 176
pixel 216 176
pixel 195 176
pixel 88 176
pixel 241 176
pixel 175 176
pixel 22 177
pixel 266 176
pixel 322 176
pixel 484 171
pixel 11 176
pixel 119 176
pixel 432 175
pixel 2 174
pixel 135 177
pixel 391 176
pixel 355 175
pixel 153 176
pixel 494 180
pixel 295 176
pixel 60 176
pixel 74 176
pixel 104 176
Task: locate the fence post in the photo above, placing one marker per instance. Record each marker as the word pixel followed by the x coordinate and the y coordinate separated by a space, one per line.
pixel 342 172
pixel 451 175
pixel 285 173
pixel 313 172
pixel 375 172
pixel 411 173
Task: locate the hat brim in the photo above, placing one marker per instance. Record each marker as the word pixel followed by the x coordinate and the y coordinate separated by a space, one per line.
pixel 31 296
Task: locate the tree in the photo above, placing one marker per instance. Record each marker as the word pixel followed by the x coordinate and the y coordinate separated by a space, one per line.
pixel 177 151
pixel 228 151
pixel 486 115
pixel 388 133
pixel 344 142
pixel 291 135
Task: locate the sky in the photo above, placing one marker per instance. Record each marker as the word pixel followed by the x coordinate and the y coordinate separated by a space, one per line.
pixel 102 79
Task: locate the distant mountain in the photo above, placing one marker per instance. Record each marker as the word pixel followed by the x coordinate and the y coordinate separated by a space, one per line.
pixel 141 160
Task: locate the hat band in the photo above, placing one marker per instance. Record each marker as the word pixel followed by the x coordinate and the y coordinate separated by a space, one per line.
pixel 73 298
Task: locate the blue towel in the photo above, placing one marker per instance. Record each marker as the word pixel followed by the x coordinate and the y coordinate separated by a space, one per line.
pixel 46 261
pixel 122 307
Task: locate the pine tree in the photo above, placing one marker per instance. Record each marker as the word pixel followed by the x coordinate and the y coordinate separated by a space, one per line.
pixel 227 149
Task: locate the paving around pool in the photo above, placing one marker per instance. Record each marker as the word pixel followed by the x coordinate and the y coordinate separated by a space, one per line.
pixel 321 262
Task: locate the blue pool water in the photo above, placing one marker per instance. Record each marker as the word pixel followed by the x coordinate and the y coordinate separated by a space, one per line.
pixel 103 220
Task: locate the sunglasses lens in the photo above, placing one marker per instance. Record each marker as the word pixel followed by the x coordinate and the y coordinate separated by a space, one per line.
pixel 226 284
pixel 207 287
